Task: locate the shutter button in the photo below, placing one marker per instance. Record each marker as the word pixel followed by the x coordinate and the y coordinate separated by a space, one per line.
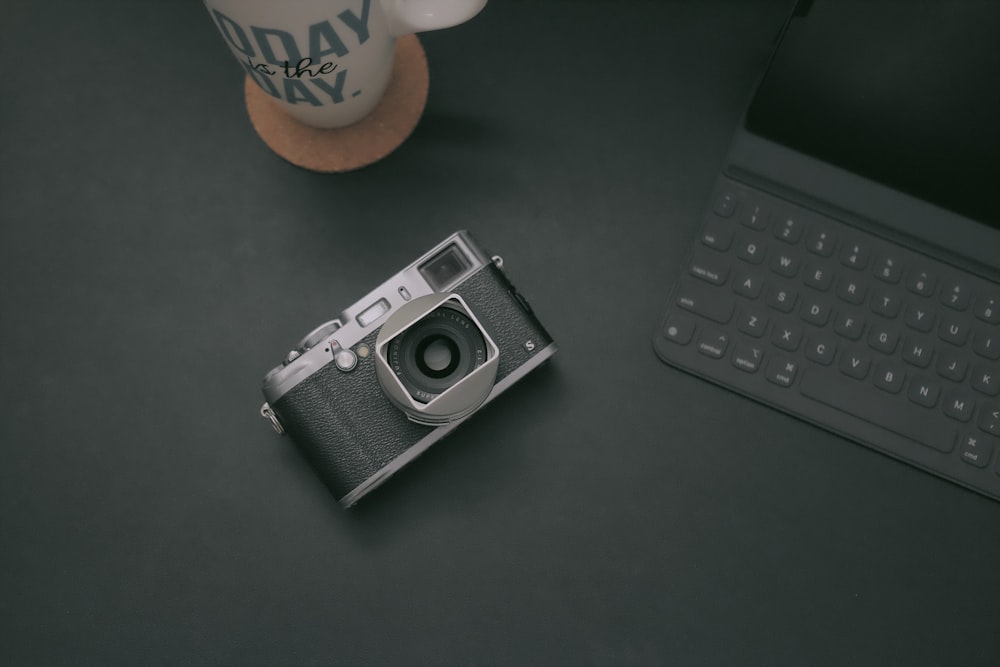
pixel 345 360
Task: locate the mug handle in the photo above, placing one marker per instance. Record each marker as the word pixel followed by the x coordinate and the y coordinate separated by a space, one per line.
pixel 409 16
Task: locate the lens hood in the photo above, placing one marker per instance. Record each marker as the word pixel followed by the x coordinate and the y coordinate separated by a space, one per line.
pixel 456 401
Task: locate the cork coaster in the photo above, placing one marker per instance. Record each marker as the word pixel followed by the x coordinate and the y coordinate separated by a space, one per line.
pixel 358 145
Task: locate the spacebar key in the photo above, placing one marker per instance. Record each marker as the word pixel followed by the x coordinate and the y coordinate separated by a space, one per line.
pixel 887 411
pixel 704 300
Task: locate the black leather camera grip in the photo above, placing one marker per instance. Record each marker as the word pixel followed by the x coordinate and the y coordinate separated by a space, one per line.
pixel 345 426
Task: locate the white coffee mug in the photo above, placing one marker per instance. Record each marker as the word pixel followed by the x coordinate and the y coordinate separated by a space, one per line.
pixel 327 62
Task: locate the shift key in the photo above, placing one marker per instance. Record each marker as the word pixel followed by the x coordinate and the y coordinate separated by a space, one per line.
pixel 702 299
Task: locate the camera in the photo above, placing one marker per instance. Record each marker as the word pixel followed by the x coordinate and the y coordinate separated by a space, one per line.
pixel 364 394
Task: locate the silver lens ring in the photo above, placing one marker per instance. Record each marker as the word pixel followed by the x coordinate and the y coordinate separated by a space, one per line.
pixel 434 359
pixel 435 353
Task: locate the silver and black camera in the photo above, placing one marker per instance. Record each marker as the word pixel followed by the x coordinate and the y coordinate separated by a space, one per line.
pixel 364 394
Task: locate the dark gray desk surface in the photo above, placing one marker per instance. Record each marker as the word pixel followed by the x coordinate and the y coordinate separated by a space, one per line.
pixel 156 259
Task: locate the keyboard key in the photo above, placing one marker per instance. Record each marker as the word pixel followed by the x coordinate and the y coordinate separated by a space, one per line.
pixel 855 364
pixel 956 294
pixel 952 366
pixel 789 229
pixel 748 283
pixel 821 242
pixel 883 338
pixel 725 203
pixel 889 377
pixel 919 318
pixel 988 308
pixel 678 328
pixel 885 303
pixel 924 392
pixel 986 380
pixel 710 267
pixel 755 216
pixel 849 325
pixel 888 269
pixel 987 344
pixel 781 371
pixel 918 352
pixel 748 357
pixel 750 250
pixel 953 331
pixel 976 449
pixel 787 335
pixel 852 290
pixel 816 311
pixel 921 282
pixel 855 255
pixel 752 321
pixel 989 418
pixel 883 410
pixel 821 349
pixel 717 234
pixel 959 406
pixel 713 343
pixel 785 264
pixel 706 301
pixel 782 298
pixel 818 277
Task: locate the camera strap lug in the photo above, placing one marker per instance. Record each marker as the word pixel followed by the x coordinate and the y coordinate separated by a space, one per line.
pixel 267 413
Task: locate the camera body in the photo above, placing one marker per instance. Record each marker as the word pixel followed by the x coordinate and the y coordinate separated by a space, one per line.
pixel 366 393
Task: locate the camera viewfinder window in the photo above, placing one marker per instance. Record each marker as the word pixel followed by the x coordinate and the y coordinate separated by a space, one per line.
pixel 445 267
pixel 373 312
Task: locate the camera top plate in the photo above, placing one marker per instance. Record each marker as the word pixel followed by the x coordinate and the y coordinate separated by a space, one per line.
pixel 438 270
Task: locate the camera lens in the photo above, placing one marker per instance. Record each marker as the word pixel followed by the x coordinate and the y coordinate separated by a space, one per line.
pixel 437 356
pixel 436 352
pixel 435 361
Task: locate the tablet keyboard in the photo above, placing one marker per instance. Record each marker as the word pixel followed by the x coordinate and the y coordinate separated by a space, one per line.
pixel 839 327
